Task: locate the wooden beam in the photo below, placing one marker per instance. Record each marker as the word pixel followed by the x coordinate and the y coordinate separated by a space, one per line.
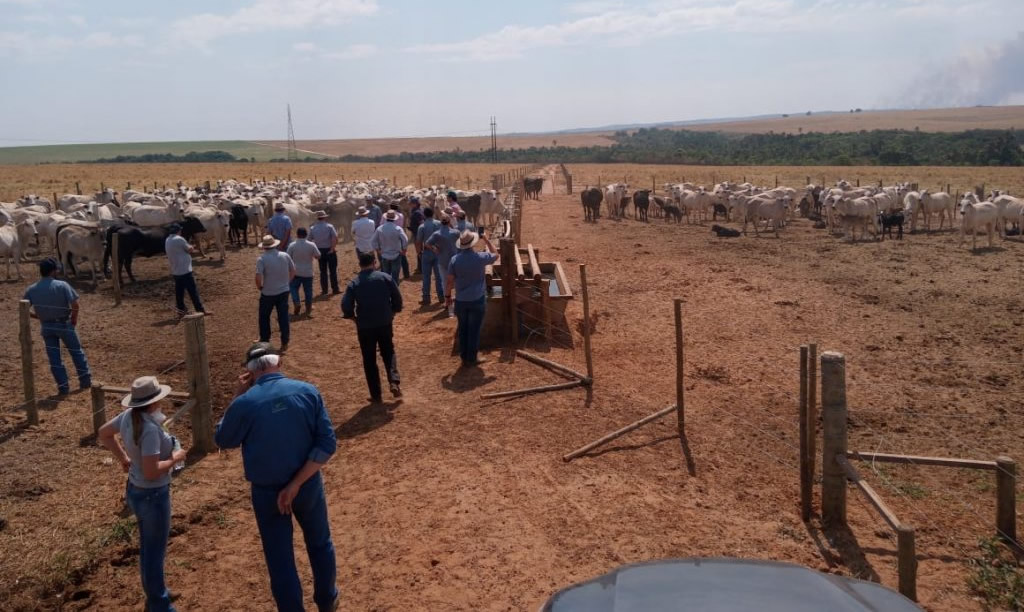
pixel 921 460
pixel 586 321
pixel 532 258
pixel 869 493
pixel 556 367
pixel 124 390
pixel 28 379
pixel 806 478
pixel 542 389
pixel 664 412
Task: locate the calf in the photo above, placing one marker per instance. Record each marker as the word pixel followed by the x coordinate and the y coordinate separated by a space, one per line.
pixel 591 199
pixel 889 220
pixel 238 231
pixel 673 212
pixel 725 232
pixel 84 243
pixel 641 202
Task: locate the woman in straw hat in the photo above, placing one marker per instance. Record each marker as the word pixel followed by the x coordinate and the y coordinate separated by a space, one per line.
pixel 467 275
pixel 148 454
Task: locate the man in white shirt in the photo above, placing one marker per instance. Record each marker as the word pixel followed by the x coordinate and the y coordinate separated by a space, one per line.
pixel 179 256
pixel 303 252
pixel 363 230
pixel 274 272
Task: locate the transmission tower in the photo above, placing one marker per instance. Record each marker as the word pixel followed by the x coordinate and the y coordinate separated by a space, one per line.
pixel 494 140
pixel 293 153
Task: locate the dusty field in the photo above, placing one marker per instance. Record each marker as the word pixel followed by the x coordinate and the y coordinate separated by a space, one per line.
pixel 931 120
pixel 18 180
pixel 445 502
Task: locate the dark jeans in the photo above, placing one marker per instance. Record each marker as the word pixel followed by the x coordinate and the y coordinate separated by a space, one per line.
pixel 310 510
pixel 267 304
pixel 53 334
pixel 183 283
pixel 405 266
pixel 430 265
pixel 369 340
pixel 471 319
pixel 306 282
pixel 152 509
pixel 392 267
pixel 328 265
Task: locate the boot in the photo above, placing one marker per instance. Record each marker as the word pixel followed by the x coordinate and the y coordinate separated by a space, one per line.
pixel 309 309
pixel 295 311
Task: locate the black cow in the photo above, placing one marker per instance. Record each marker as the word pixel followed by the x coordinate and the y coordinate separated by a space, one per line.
pixel 144 242
pixel 591 199
pixel 532 187
pixel 471 205
pixel 719 209
pixel 672 212
pixel 641 202
pixel 238 229
pixel 725 232
pixel 888 221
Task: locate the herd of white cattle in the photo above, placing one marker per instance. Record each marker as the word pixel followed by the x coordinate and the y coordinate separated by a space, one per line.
pixel 842 207
pixel 37 221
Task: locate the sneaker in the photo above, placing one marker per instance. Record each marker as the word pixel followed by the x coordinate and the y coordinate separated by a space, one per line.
pixel 472 364
pixel 206 313
pixel 425 302
pixel 396 390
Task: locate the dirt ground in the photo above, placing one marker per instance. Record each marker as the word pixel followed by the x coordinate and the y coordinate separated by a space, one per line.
pixel 448 502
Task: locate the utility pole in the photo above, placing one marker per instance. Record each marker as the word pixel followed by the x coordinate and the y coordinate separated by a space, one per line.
pixel 293 153
pixel 494 140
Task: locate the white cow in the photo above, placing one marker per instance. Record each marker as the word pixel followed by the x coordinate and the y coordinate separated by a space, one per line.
pixel 977 215
pixel 491 208
pixel 930 203
pixel 853 212
pixel 1010 209
pixel 79 243
pixel 150 215
pixel 698 202
pixel 216 223
pixel 614 195
pixel 14 236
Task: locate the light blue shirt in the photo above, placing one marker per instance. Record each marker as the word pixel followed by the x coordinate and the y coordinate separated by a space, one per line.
pixel 279 225
pixel 178 256
pixel 469 269
pixel 322 234
pixel 51 299
pixel 444 239
pixel 153 440
pixel 390 240
pixel 427 229
pixel 303 252
pixel 463 225
pixel 276 268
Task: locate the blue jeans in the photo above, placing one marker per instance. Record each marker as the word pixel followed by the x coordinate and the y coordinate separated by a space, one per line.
pixel 429 265
pixel 53 334
pixel 267 305
pixel 152 508
pixel 392 267
pixel 310 510
pixel 444 276
pixel 183 283
pixel 306 282
pixel 471 319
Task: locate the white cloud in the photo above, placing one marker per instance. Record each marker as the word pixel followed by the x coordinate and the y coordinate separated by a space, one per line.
pixel 77 20
pixel 304 47
pixel 353 52
pixel 613 23
pixel 100 39
pixel 266 15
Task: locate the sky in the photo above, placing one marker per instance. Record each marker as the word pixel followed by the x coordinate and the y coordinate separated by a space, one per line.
pixel 131 71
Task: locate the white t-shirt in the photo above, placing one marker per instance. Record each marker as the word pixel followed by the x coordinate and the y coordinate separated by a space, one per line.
pixel 363 230
pixel 176 248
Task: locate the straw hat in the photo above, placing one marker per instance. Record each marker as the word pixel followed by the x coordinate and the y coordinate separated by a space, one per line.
pixel 362 211
pixel 391 215
pixel 279 206
pixel 146 390
pixel 321 214
pixel 468 240
pixel 269 242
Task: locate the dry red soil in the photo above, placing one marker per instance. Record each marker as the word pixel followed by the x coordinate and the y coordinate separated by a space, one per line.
pixel 448 502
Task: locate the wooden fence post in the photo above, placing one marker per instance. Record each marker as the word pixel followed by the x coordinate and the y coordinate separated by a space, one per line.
pixel 1006 502
pixel 198 364
pixel 586 321
pixel 508 288
pixel 129 187
pixel 906 561
pixel 99 407
pixel 812 407
pixel 806 479
pixel 680 404
pixel 116 279
pixel 28 379
pixel 833 407
pixel 78 190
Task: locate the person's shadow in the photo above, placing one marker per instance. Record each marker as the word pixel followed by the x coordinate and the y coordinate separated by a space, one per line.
pixel 466 379
pixel 369 417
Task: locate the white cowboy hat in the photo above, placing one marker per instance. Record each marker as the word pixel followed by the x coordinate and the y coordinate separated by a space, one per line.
pixel 321 214
pixel 362 212
pixel 146 390
pixel 468 240
pixel 391 215
pixel 269 242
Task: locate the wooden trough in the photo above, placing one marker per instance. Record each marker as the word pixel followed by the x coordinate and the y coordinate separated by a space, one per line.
pixel 542 293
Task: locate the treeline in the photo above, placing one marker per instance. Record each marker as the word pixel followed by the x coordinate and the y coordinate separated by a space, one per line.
pixel 663 146
pixel 167 158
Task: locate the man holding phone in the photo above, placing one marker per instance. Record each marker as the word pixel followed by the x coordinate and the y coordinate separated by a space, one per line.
pixel 286 438
pixel 467 275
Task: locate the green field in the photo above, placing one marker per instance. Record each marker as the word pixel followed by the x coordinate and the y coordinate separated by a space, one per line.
pixel 88 152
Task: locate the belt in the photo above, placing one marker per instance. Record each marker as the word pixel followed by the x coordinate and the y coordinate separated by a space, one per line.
pixel 55 321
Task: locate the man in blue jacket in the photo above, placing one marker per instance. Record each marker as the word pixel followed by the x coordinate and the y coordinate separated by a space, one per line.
pixel 286 438
pixel 372 299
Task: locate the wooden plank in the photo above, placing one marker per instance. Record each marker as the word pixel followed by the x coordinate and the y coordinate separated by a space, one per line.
pixel 508 290
pixel 921 460
pixel 806 478
pixel 199 382
pixel 906 562
pixel 869 493
pixel 812 406
pixel 520 272
pixel 1006 500
pixel 564 288
pixel 680 405
pixel 558 387
pixel 557 367
pixel 99 407
pixel 28 379
pixel 833 408
pixel 545 305
pixel 125 390
pixel 620 432
pixel 532 258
